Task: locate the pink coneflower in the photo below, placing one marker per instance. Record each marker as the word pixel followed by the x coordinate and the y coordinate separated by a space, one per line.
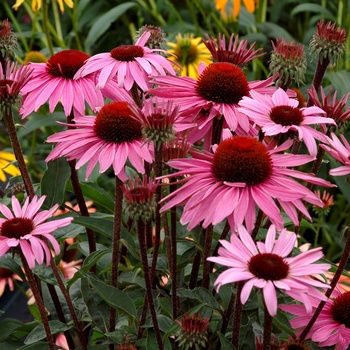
pixel 242 174
pixel 334 108
pixel 332 327
pixel 279 114
pixel 25 228
pixel 268 266
pixel 340 152
pixel 12 83
pixel 110 138
pixel 129 64
pixel 215 93
pixel 6 279
pixel 53 82
pixel 234 51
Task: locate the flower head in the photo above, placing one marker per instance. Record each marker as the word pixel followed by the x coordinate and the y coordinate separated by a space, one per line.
pixel 235 51
pixel 332 327
pixel 12 83
pixel 288 59
pixel 8 40
pixel 221 5
pixel 6 166
pixel 279 114
pixel 327 200
pixel 160 120
pixel 193 333
pixel 129 64
pixel 36 4
pixel 216 93
pixel 339 149
pixel 110 138
pixel 139 198
pixel 189 52
pixel 25 228
pixel 268 266
pixel 53 82
pixel 328 42
pixel 157 38
pixel 334 108
pixel 241 174
pixel 34 57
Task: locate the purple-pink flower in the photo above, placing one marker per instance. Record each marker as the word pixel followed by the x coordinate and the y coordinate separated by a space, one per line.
pixel 129 64
pixel 110 139
pixel 278 114
pixel 339 149
pixel 332 326
pixel 269 266
pixel 241 175
pixel 25 228
pixel 53 82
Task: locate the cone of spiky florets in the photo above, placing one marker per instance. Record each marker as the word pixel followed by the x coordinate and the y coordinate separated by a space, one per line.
pixel 193 334
pixel 8 40
pixel 328 42
pixel 289 61
pixel 157 39
pixel 139 198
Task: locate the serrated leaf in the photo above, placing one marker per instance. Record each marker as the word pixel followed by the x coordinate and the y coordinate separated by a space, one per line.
pixel 102 24
pixel 53 182
pixel 38 333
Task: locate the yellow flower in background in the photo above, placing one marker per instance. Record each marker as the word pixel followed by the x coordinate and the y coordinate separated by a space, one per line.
pixel 36 4
pixel 34 57
pixel 189 53
pixel 235 5
pixel 6 167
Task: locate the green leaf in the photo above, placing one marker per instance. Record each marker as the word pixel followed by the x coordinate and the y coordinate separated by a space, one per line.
pixel 102 24
pixel 273 30
pixel 93 258
pixel 97 194
pixel 113 296
pixel 53 183
pixel 36 346
pixel 97 224
pixel 308 7
pixel 225 343
pixel 151 342
pixel 203 296
pixel 38 333
pixel 8 326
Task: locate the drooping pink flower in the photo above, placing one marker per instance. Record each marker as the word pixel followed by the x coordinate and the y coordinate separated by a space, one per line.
pixel 332 327
pixel 53 82
pixel 110 138
pixel 267 266
pixel 6 278
pixel 241 175
pixel 25 228
pixel 129 64
pixel 216 93
pixel 279 114
pixel 340 151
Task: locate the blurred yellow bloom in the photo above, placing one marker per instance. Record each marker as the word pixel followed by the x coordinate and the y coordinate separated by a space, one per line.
pixel 36 4
pixel 189 53
pixel 236 6
pixel 6 167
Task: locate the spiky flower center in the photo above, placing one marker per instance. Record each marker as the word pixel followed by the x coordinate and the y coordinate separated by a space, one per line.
pixel 341 309
pixel 185 50
pixel 127 53
pixel 242 159
pixel 17 227
pixel 66 63
pixel 268 266
pixel 115 124
pixel 286 115
pixel 222 82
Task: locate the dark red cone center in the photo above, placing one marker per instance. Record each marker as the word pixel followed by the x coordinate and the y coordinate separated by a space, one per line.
pixel 286 115
pixel 341 309
pixel 16 228
pixel 127 53
pixel 268 266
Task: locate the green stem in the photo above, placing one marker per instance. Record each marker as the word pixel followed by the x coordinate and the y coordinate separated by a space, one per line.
pixel 46 24
pixel 75 26
pixel 17 150
pixel 118 211
pixel 56 16
pixel 39 301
